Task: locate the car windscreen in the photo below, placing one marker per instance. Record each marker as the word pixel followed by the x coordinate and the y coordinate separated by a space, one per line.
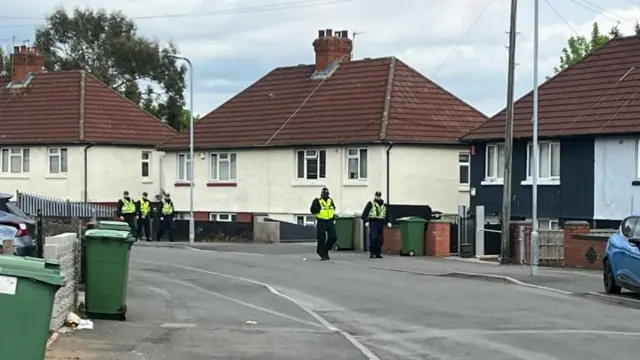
pixel 7 232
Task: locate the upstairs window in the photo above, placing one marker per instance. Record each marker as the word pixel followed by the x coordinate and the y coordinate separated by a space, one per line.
pixel 311 164
pixel 15 161
pixel 464 163
pixel 494 162
pixel 549 164
pixel 357 164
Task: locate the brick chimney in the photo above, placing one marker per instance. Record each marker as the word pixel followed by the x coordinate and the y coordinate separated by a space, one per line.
pixel 331 46
pixel 26 60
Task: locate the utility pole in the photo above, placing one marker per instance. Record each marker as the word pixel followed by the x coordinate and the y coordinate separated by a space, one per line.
pixel 508 140
pixel 353 43
pixel 536 149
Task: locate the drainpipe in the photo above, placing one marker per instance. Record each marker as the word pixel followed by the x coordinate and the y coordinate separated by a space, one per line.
pixel 388 172
pixel 161 171
pixel 86 172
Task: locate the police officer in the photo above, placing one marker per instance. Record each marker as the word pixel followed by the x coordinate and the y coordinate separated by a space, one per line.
pixel 166 218
pixel 324 209
pixel 127 211
pixel 375 215
pixel 144 212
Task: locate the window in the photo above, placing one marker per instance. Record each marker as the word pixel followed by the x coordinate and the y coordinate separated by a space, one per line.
pixel 222 217
pixel 311 164
pixel 549 166
pixel 494 162
pixel 464 161
pixel 57 161
pixel 223 167
pixel 638 159
pixel 546 224
pixel 184 168
pixel 357 164
pixel 15 161
pixel 306 220
pixel 146 164
pixel 182 215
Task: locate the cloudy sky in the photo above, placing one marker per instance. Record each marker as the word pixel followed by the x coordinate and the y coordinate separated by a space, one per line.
pixel 460 44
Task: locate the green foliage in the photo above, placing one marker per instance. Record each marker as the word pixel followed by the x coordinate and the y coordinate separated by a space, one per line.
pixel 5 63
pixel 107 45
pixel 579 46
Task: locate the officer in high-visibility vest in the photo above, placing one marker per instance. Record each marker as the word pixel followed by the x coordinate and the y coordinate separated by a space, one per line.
pixel 323 207
pixel 127 211
pixel 166 218
pixel 144 212
pixel 375 215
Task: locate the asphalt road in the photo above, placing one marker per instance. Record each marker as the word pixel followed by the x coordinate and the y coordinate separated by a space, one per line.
pixel 188 304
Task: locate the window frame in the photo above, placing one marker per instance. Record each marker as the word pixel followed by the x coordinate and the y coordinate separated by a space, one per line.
pixel 551 177
pixel 231 217
pixel 466 164
pixel 358 158
pixel 496 169
pixel 232 159
pixel 60 153
pixel 304 220
pixel 25 160
pixel 307 154
pixel 185 167
pixel 638 159
pixel 145 161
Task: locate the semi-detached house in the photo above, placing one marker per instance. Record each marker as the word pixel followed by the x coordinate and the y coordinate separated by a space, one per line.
pixel 69 136
pixel 355 127
pixel 589 128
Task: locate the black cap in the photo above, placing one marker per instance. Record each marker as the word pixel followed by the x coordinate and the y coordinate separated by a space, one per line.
pixel 144 193
pixel 126 192
pixel 378 193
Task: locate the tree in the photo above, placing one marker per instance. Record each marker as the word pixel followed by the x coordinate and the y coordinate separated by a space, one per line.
pixel 578 46
pixel 636 28
pixel 615 31
pixel 108 46
pixel 186 118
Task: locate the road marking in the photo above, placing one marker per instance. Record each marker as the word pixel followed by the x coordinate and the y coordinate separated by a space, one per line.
pixel 456 333
pixel 239 302
pixel 355 342
pixel 178 325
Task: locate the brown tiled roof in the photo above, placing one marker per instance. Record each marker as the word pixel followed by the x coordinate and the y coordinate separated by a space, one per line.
pixel 598 95
pixel 53 108
pixel 287 107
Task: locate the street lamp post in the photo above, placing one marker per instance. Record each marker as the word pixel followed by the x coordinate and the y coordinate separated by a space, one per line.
pixel 192 228
pixel 536 153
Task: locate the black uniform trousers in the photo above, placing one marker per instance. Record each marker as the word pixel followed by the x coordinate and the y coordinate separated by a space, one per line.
pixel 131 220
pixel 166 226
pixel 144 225
pixel 376 229
pixel 326 236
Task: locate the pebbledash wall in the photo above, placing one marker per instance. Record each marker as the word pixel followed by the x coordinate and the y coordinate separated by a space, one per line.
pixel 64 248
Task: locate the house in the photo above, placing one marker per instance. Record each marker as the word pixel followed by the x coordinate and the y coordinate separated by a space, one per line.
pixel 588 132
pixel 355 127
pixel 67 135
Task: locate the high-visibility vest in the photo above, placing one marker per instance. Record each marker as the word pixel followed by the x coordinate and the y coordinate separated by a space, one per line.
pixel 326 209
pixel 167 208
pixel 128 207
pixel 145 207
pixel 377 211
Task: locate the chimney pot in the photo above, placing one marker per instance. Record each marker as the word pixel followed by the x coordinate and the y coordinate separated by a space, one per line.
pixel 329 32
pixel 320 33
pixel 345 33
pixel 331 48
pixel 26 60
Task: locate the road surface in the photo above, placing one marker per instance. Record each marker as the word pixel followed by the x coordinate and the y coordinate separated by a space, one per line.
pixel 189 305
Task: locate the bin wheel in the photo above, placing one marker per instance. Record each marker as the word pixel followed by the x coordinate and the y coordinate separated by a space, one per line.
pixel 123 315
pixel 412 253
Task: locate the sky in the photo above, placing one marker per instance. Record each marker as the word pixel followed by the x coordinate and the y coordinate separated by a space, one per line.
pixel 459 44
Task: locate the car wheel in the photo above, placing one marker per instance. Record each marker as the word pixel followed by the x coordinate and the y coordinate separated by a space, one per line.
pixel 609 280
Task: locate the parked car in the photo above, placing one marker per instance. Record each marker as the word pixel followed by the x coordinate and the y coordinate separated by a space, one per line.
pixel 12 218
pixel 621 263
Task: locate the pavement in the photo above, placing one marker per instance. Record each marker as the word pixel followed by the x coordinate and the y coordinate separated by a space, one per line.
pixel 252 301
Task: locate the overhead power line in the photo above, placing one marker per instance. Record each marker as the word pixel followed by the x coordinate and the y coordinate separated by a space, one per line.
pixel 243 10
pixel 473 24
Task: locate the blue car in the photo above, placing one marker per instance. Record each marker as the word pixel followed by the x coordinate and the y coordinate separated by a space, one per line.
pixel 621 263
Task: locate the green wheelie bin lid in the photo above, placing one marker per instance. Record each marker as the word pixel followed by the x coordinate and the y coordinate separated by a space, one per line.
pixel 413 219
pixel 345 216
pixel 114 225
pixel 117 235
pixel 47 276
pixel 28 262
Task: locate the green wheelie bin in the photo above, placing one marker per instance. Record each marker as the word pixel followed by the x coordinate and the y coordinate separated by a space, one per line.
pixel 344 232
pixel 412 235
pixel 107 266
pixel 27 293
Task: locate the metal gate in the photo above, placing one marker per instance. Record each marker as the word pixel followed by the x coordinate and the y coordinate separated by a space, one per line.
pixel 462 235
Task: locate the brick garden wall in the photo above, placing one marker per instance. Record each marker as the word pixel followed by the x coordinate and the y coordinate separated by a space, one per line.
pixel 64 249
pixel 436 239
